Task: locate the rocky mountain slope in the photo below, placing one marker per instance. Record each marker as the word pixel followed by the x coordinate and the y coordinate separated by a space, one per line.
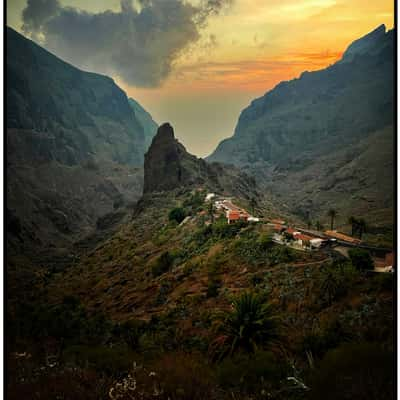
pixel 164 294
pixel 146 120
pixel 170 284
pixel 75 147
pixel 313 141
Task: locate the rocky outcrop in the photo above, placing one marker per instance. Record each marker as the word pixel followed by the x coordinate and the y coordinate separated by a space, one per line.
pixel 168 166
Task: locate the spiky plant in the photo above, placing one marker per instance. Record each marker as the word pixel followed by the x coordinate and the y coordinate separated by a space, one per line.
pixel 249 325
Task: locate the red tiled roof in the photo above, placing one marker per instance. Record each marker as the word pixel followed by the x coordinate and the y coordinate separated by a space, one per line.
pixel 389 258
pixel 233 215
pixel 342 236
pixel 302 237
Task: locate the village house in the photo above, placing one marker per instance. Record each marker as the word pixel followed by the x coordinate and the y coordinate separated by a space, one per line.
pixel 232 212
pixel 385 264
pixel 291 237
pixel 301 240
pixel 277 222
pixel 210 196
pixel 236 215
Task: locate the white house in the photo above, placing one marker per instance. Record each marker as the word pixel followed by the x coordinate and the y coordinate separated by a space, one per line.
pixel 210 196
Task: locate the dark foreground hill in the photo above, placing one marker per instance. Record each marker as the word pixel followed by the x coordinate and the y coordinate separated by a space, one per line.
pixel 326 139
pixel 202 309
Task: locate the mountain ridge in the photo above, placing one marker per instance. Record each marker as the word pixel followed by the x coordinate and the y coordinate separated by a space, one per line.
pixel 75 147
pixel 299 122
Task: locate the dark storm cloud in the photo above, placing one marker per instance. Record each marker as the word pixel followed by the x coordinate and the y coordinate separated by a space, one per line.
pixel 139 43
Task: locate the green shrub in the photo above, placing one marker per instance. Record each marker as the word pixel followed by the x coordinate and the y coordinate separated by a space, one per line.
pixel 385 281
pixel 256 250
pixel 361 259
pixel 110 360
pixel 195 201
pixel 67 322
pixel 354 371
pixel 222 230
pixel 190 267
pixel 214 281
pixel 336 281
pixel 131 332
pixel 281 254
pixel 256 279
pixel 249 373
pixel 318 343
pixel 213 286
pixel 184 376
pixel 163 264
pixel 265 242
pixel 162 295
pixel 177 214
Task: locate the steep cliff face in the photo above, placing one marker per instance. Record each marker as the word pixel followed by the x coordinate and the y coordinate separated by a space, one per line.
pixel 75 147
pixel 83 113
pixel 168 165
pixel 320 111
pixel 146 120
pixel 331 117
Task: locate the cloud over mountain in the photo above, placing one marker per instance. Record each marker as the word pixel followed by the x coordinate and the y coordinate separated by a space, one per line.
pixel 139 43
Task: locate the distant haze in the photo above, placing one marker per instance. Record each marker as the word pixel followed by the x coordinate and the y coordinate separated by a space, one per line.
pixel 197 64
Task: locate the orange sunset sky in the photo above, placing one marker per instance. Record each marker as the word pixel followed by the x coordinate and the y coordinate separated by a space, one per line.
pixel 242 52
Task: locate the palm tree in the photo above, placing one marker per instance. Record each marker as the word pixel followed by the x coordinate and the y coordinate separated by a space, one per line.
pixel 211 211
pixel 330 286
pixel 332 213
pixel 362 227
pixel 250 323
pixel 353 222
pixel 253 204
pixel 319 226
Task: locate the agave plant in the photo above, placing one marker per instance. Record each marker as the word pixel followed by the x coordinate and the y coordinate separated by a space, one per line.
pixel 249 325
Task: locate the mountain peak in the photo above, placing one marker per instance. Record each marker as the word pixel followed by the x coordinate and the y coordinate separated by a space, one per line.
pixel 365 44
pixel 165 131
pixel 167 164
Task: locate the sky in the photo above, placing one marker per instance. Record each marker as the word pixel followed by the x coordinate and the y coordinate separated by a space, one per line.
pixel 198 63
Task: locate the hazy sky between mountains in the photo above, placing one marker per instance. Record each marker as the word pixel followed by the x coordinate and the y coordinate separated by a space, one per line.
pixel 198 63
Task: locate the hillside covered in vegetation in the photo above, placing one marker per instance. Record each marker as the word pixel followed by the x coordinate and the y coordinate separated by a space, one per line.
pixel 175 303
